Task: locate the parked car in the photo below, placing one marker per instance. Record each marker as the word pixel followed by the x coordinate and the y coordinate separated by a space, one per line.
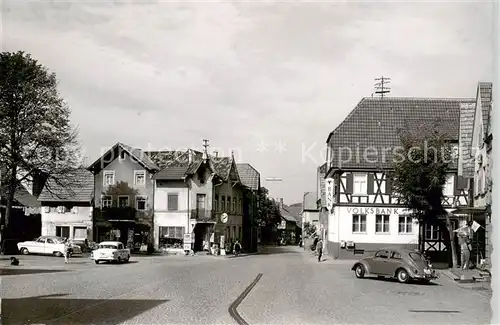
pixel 402 264
pixel 111 251
pixel 49 245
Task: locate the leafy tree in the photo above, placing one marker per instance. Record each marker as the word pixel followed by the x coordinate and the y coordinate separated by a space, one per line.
pixel 122 188
pixel 268 214
pixel 309 229
pixel 36 137
pixel 420 172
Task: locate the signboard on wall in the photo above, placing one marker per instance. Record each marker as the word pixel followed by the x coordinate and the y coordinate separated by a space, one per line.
pixel 187 242
pixel 329 191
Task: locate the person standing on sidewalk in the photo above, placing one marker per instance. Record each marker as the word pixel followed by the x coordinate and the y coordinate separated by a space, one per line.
pixel 67 250
pixel 319 249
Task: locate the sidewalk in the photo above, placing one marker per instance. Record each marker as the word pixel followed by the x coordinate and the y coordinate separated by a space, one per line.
pixel 469 279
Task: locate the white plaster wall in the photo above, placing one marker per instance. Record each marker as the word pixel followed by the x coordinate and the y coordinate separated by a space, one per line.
pixel 393 237
pixel 52 219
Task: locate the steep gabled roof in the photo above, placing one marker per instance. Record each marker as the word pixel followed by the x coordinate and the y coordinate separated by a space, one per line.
pixel 22 196
pixel 249 176
pixel 374 124
pixel 77 186
pixel 485 91
pixel 140 156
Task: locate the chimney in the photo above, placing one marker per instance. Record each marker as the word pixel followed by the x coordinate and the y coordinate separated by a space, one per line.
pixel 281 202
pixel 216 153
pixel 190 156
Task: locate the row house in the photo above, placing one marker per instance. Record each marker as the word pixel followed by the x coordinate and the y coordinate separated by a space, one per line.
pixel 123 195
pixel 203 195
pixel 475 162
pixel 366 214
pixel 66 209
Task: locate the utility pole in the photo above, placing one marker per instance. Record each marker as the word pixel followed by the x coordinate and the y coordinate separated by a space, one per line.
pixel 381 86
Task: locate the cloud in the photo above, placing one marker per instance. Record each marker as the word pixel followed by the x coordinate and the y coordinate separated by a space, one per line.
pixel 171 73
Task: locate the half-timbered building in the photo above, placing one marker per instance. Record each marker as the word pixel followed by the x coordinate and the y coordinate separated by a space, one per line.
pixel 366 213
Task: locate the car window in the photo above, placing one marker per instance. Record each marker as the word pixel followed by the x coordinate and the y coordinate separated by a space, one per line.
pixel 416 256
pixel 41 240
pixel 396 255
pixel 382 254
pixel 50 241
pixel 120 246
pixel 107 246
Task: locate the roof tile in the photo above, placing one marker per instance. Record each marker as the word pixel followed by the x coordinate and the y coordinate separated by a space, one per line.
pixel 77 186
pixel 249 176
pixel 373 126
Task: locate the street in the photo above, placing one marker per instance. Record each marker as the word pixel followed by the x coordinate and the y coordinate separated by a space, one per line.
pixel 293 289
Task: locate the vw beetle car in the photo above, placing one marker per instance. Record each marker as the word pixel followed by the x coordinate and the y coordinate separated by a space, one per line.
pixel 50 245
pixel 111 251
pixel 402 264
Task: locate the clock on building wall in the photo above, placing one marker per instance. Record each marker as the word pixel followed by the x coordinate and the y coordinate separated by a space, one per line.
pixel 224 217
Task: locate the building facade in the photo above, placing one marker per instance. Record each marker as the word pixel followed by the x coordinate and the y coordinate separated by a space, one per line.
pixel 67 211
pixel 366 214
pixel 123 196
pixel 475 163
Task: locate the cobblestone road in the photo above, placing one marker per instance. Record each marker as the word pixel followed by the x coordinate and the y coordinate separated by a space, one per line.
pixel 294 289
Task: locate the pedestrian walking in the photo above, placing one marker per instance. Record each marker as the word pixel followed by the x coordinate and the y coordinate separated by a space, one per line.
pixel 67 250
pixel 319 249
pixel 237 248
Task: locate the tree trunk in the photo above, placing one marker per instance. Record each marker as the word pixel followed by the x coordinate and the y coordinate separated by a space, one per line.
pixel 11 191
pixel 452 242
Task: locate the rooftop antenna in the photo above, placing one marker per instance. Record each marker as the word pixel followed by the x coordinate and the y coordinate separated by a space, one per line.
pixel 381 86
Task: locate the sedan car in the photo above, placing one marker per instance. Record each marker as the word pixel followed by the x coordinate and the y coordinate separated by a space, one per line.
pixel 49 245
pixel 111 251
pixel 399 263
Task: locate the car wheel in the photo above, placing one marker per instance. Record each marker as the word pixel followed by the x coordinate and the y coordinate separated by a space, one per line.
pixel 402 276
pixel 119 260
pixel 96 261
pixel 127 259
pixel 360 271
pixel 24 251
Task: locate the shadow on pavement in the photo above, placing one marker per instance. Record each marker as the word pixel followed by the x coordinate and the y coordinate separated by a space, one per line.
pixel 270 250
pixel 20 271
pixel 55 310
pixel 411 281
pixel 115 263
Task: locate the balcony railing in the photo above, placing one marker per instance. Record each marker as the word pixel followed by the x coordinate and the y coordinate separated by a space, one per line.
pixel 115 214
pixel 202 215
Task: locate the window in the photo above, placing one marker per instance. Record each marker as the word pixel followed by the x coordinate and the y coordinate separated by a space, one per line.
pixel 396 255
pixel 123 201
pixel 106 201
pixel 234 232
pixel 108 177
pixel 359 223
pixel 140 203
pixel 120 246
pixel 40 240
pixel 234 204
pixel 216 203
pixel 50 241
pixel 200 201
pixel 431 232
pixel 139 177
pixel 382 223
pixel 405 225
pixel 382 254
pixel 172 201
pixel 172 237
pixel 448 186
pixel 62 231
pixel 79 232
pixel 122 155
pixel 240 205
pixel 228 204
pixel 359 184
pixel 240 233
pixel 223 203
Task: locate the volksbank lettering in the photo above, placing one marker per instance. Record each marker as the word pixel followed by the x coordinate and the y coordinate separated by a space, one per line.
pixel 373 210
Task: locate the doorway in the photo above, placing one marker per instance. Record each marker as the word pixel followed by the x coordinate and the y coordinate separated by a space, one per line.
pixel 201 235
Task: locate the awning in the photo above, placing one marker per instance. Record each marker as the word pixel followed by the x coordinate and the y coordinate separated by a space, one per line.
pixel 469 210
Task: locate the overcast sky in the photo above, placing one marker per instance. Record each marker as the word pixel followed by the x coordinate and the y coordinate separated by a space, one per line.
pixel 269 79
